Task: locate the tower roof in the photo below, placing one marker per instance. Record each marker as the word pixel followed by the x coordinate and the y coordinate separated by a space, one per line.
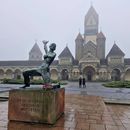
pixel 79 37
pixel 66 53
pixel 35 48
pixel 115 51
pixel 90 12
pixel 91 22
pixel 101 35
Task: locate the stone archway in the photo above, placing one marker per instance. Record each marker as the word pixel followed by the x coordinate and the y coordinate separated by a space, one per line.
pixel 115 75
pixel 75 73
pixel 127 75
pixel 64 74
pixel 17 74
pixel 54 74
pixel 102 74
pixel 89 73
pixel 1 74
pixel 9 74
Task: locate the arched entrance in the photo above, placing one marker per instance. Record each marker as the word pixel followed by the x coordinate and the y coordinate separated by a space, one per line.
pixel 1 74
pixel 115 75
pixel 54 74
pixel 9 74
pixel 89 73
pixel 17 74
pixel 75 73
pixel 64 74
pixel 127 75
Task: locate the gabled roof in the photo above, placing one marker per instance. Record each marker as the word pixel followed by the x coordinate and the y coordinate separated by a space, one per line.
pixel 66 53
pixel 101 35
pixel 79 37
pixel 89 58
pixel 35 48
pixel 91 43
pixel 115 51
pixel 55 62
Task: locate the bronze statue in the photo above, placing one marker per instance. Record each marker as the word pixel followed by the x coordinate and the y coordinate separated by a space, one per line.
pixel 44 69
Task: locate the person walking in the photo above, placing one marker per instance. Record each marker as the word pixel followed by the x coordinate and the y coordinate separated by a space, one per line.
pixel 80 82
pixel 84 82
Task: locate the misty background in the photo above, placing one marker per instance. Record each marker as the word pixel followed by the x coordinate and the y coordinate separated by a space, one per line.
pixel 24 21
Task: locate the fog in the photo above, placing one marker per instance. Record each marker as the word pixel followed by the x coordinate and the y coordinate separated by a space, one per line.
pixel 22 22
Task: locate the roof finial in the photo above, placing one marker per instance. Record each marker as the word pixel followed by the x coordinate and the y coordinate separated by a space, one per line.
pixel 66 44
pixel 35 40
pixel 91 3
pixel 114 42
pixel 100 29
pixel 79 30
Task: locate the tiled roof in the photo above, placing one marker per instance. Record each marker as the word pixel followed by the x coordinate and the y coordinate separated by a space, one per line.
pixel 75 62
pixel 79 37
pixel 127 61
pixel 101 35
pixel 91 11
pixel 24 63
pixel 115 51
pixel 103 62
pixel 55 62
pixel 66 53
pixel 91 43
pixel 35 48
pixel 20 63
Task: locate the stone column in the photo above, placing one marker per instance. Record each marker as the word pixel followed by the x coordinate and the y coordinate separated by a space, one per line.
pixel 59 75
pixel 122 77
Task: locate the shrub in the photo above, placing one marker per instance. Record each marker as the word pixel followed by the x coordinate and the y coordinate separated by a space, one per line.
pixel 118 84
pixel 36 82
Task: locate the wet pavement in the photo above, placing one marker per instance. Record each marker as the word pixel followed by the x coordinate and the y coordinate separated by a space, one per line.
pixel 92 88
pixel 82 112
pixel 113 95
pixel 97 89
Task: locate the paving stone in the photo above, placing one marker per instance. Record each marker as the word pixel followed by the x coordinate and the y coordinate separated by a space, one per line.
pixel 82 112
pixel 97 127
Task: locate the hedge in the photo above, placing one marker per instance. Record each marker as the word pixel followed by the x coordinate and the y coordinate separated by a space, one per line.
pixel 118 84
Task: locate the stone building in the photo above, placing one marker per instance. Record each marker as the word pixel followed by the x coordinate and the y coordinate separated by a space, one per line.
pixel 90 60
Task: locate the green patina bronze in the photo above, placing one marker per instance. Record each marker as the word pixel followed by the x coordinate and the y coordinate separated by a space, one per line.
pixel 44 69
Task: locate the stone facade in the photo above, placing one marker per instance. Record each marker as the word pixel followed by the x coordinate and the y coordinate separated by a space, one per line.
pixel 90 60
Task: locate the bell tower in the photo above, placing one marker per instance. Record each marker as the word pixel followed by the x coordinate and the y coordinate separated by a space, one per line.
pixel 91 25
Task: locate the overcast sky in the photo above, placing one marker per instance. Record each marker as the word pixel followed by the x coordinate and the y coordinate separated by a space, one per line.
pixel 59 21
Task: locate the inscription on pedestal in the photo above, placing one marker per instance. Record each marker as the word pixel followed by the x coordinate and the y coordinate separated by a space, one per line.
pixel 27 105
pixel 36 105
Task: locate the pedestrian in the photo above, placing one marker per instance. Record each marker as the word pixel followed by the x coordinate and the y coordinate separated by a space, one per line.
pixel 84 83
pixel 80 82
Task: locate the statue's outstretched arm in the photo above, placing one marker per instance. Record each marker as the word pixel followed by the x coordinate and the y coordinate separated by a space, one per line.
pixel 45 46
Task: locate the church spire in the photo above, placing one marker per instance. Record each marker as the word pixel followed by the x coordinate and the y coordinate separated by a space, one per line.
pixel 91 3
pixel 91 22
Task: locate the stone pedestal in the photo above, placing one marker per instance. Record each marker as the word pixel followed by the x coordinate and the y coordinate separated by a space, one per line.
pixel 36 105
